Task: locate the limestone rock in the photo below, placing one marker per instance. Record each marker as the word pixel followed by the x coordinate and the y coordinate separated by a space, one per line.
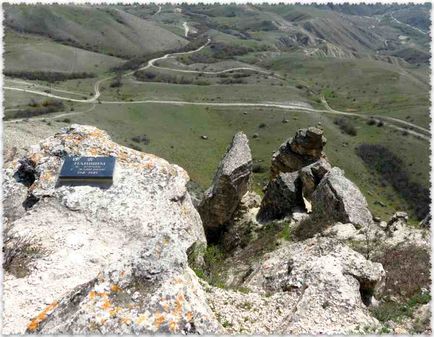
pixel 229 185
pixel 282 194
pixel 312 174
pixel 243 229
pixel 398 221
pixel 107 250
pixel 338 199
pixel 334 285
pixel 301 150
pixel 426 222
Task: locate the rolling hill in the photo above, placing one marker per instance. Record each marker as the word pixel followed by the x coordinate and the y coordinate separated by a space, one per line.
pixel 101 29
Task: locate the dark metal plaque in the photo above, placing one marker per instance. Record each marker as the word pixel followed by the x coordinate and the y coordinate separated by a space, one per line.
pixel 87 171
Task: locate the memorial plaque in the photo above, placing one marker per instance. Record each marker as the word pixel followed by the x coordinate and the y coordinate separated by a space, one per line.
pixel 94 171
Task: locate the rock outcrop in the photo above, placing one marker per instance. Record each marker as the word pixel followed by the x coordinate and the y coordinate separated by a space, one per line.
pixel 296 170
pixel 110 260
pixel 338 199
pixel 230 183
pixel 303 149
pixel 282 194
pixel 333 283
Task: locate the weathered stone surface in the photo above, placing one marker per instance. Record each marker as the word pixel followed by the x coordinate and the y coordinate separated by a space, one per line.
pixel 229 185
pixel 243 229
pixel 333 284
pixel 301 150
pixel 282 194
pixel 312 174
pixel 338 199
pixel 398 221
pixel 135 234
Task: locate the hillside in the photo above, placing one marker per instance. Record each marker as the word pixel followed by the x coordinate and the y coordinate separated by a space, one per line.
pixel 104 30
pixel 190 76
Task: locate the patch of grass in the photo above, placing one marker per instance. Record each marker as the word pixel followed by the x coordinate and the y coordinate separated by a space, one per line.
pixel 396 311
pixel 286 233
pixel 19 253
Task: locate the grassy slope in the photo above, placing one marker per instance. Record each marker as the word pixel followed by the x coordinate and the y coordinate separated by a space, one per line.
pixel 378 88
pixel 35 53
pixel 110 31
pixel 365 86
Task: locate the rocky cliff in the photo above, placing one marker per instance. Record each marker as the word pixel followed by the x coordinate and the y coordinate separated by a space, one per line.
pixel 134 258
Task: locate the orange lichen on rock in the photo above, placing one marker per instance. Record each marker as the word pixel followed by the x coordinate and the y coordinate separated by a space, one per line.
pixel 189 316
pixel 34 323
pixel 115 288
pixel 106 304
pixel 178 304
pixel 159 319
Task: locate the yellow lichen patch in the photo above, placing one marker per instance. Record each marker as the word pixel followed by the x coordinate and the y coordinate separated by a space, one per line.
pixel 114 311
pixel 142 319
pixel 34 323
pixel 159 319
pixel 47 176
pixel 115 288
pixel 92 294
pixel 172 326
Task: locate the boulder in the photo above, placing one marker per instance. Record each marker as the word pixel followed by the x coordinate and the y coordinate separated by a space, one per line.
pixel 281 195
pixel 338 199
pixel 397 222
pixel 108 260
pixel 303 149
pixel 333 283
pixel 312 174
pixel 230 183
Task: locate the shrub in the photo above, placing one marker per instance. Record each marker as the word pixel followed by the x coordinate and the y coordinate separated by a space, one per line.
pixel 19 252
pixel 141 139
pixel 49 76
pixel 258 168
pixel 262 125
pixel 407 270
pixel 391 168
pixel 346 126
pixel 36 109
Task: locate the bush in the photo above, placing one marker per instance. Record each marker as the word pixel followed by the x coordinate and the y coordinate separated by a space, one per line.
pixel 407 270
pixel 18 254
pixel 144 139
pixel 262 125
pixel 258 168
pixel 36 109
pixel 391 168
pixel 346 126
pixel 49 76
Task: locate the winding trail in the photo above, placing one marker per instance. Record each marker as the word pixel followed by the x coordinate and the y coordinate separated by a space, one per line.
pixel 367 117
pixel 150 64
pixel 185 25
pixel 406 24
